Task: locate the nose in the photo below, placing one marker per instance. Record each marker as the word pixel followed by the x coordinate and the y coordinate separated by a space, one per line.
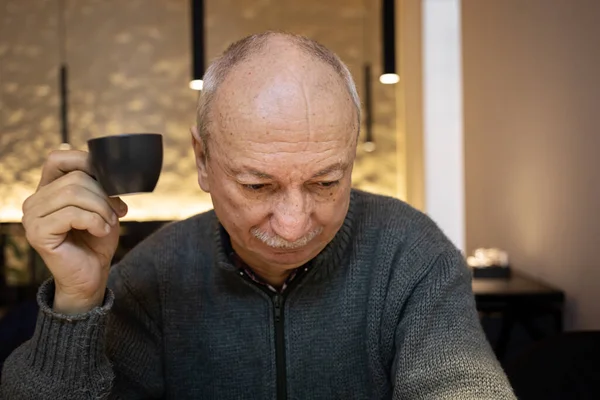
pixel 291 215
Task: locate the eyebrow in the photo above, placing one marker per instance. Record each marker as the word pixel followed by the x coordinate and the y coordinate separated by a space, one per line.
pixel 338 166
pixel 254 172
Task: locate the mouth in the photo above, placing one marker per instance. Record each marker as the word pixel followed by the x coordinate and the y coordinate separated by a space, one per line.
pixel 288 251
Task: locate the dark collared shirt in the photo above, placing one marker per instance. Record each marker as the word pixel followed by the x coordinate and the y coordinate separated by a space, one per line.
pixel 245 269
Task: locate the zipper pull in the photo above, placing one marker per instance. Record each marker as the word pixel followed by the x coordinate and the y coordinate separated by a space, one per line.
pixel 277 302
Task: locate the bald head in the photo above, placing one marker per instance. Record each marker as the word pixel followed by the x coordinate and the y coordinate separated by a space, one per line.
pixel 277 72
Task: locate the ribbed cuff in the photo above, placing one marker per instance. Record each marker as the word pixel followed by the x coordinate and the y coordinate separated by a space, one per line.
pixel 70 348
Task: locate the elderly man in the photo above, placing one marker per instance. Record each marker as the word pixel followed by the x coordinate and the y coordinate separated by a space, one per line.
pixel 295 286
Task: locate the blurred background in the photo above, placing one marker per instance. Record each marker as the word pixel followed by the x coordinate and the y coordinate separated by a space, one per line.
pixel 491 127
pixel 129 67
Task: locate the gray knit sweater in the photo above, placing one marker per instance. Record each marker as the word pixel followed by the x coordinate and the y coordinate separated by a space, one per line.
pixel 385 311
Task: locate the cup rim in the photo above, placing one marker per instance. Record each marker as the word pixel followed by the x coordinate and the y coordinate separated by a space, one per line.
pixel 124 135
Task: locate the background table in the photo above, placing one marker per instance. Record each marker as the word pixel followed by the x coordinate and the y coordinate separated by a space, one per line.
pixel 518 300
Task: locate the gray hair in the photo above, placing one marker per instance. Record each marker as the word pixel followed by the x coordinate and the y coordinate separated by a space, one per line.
pixel 249 46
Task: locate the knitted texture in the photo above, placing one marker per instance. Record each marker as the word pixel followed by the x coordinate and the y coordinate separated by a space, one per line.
pixel 386 311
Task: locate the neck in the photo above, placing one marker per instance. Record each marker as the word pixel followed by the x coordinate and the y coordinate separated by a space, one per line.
pixel 274 275
pixel 273 278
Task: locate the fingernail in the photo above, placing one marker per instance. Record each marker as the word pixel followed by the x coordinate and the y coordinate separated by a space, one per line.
pixel 107 228
pixel 113 219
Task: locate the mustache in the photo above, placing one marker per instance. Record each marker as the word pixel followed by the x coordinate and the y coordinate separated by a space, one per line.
pixel 277 242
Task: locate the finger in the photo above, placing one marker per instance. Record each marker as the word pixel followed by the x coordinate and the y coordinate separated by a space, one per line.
pixel 59 197
pixel 61 162
pixel 67 185
pixel 66 219
pixel 84 179
pixel 118 205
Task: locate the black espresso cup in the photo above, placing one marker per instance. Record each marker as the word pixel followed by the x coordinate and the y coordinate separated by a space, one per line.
pixel 128 163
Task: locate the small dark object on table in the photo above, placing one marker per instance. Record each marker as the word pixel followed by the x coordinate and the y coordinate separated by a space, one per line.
pixel 494 271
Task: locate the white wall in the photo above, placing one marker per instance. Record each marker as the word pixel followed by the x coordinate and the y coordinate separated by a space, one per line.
pixel 442 109
pixel 532 141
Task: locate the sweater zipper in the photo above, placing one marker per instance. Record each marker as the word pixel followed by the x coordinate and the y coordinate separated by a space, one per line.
pixel 278 301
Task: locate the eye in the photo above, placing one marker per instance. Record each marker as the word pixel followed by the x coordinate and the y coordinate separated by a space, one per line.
pixel 254 187
pixel 327 184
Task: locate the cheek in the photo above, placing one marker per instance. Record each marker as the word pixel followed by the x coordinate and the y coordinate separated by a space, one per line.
pixel 332 209
pixel 233 208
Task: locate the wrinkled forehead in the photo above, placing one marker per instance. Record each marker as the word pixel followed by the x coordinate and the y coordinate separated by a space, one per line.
pixel 283 96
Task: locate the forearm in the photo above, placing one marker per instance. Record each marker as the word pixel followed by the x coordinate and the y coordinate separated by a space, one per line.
pixel 65 358
pixel 442 352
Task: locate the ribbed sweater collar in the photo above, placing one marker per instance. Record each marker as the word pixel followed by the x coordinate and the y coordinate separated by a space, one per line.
pixel 330 256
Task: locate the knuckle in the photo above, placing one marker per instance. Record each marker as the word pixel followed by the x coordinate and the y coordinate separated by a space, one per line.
pixel 70 213
pixel 29 237
pixel 98 219
pixel 71 190
pixel 32 232
pixel 27 204
pixel 77 177
pixel 95 219
pixel 80 175
pixel 53 159
pixel 53 156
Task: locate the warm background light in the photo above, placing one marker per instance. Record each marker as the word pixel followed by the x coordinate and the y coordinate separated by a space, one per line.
pixel 136 79
pixel 142 207
pixel 196 84
pixel 369 147
pixel 389 79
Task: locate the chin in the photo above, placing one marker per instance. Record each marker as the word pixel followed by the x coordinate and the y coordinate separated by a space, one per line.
pixel 292 258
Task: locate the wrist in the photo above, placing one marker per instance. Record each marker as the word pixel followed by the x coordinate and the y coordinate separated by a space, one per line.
pixel 69 304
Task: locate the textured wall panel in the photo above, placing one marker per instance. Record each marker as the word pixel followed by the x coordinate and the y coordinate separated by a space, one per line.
pixel 129 69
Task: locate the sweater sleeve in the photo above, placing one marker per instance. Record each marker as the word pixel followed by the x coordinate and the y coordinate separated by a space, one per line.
pixel 441 349
pixel 111 352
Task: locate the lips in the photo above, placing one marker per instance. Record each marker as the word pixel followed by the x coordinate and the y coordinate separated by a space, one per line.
pixel 289 251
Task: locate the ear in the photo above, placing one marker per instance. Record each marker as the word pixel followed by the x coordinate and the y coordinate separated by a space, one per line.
pixel 201 159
